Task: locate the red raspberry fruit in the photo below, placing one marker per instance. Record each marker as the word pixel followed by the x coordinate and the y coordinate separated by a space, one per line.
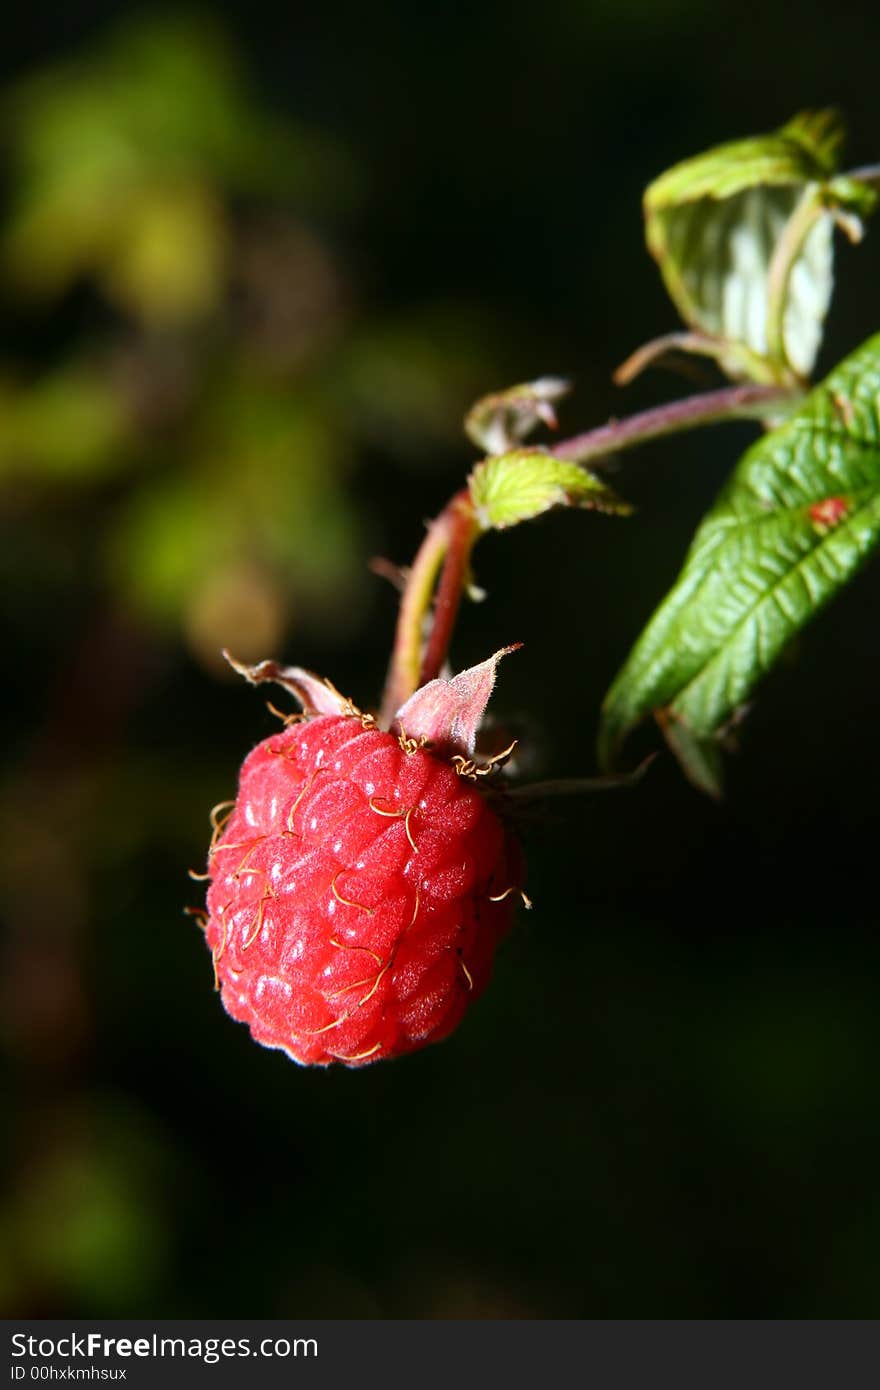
pixel 359 888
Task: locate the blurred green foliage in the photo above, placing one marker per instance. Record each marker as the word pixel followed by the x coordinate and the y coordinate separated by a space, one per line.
pixel 123 164
pixel 227 383
pixel 69 424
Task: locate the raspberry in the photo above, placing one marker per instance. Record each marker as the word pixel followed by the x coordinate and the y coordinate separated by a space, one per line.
pixel 359 888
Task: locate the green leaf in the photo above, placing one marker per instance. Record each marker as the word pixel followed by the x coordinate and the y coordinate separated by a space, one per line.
pixel 514 487
pixel 804 150
pixel 715 225
pixel 799 517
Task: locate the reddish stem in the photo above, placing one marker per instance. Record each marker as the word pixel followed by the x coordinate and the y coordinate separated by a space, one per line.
pixel 446 549
pixel 449 541
pixel 462 533
pixel 708 408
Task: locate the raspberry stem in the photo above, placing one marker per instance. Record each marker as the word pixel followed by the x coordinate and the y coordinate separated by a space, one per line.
pixel 708 408
pixel 446 550
pixel 463 530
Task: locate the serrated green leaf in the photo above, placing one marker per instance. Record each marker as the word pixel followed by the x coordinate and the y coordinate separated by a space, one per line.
pixel 508 488
pixel 714 225
pixel 803 151
pixel 799 517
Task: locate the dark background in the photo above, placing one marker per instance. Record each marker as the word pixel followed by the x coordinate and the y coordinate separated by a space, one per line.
pixel 666 1105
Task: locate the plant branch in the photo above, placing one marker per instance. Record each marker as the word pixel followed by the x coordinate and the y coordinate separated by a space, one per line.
pixel 448 543
pixel 446 549
pixel 652 353
pixel 463 532
pixel 708 408
pixel 866 173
